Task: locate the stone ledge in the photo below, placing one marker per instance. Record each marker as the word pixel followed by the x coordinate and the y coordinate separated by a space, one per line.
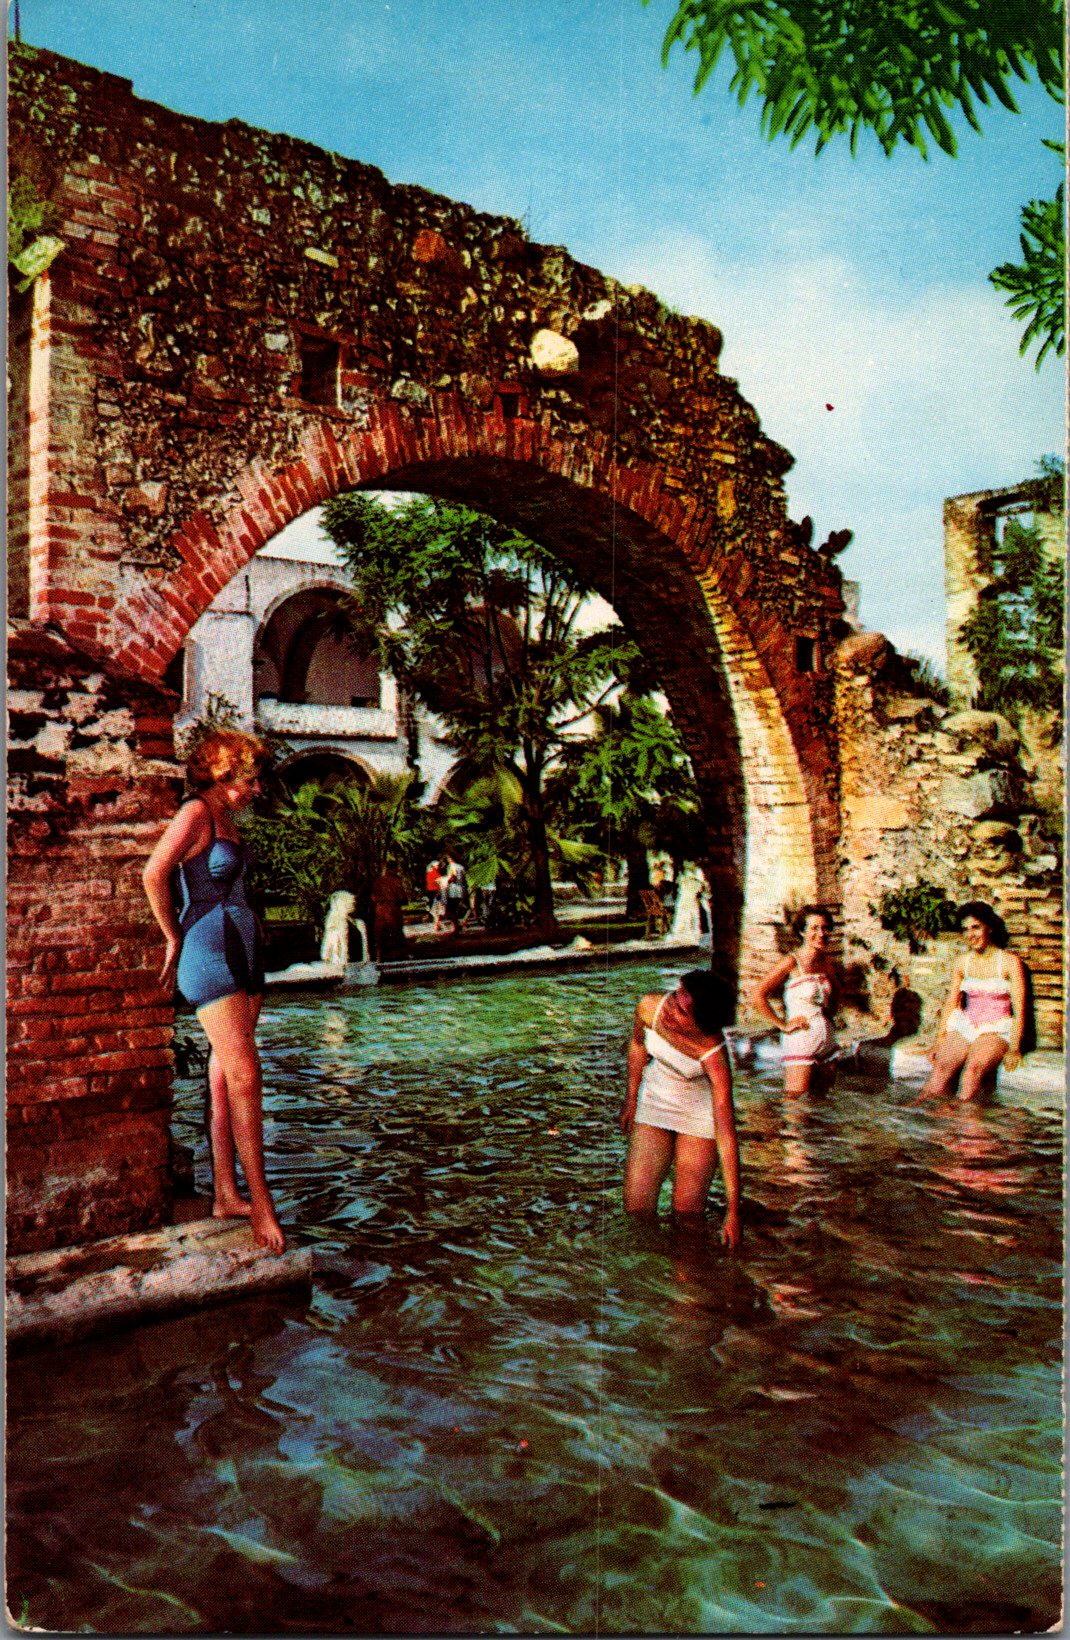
pixel 1042 1071
pixel 69 1292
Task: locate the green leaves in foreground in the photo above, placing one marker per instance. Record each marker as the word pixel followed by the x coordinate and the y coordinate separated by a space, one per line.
pixel 892 67
pixel 903 69
pixel 1036 286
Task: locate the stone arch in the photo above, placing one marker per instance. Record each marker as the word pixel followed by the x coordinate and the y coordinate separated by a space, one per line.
pixel 287 640
pixel 657 556
pixel 240 326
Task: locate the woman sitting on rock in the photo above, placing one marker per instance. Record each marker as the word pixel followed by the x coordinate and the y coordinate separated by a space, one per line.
pixel 984 1015
pixel 195 884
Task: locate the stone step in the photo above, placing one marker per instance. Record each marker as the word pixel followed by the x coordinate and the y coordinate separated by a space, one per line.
pixel 1043 1071
pixel 70 1292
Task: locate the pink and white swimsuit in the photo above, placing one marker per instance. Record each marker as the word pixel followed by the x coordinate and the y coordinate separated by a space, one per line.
pixel 985 1005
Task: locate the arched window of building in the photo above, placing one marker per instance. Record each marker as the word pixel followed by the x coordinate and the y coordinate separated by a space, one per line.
pixel 302 659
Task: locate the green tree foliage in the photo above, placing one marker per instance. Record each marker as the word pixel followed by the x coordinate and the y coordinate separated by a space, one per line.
pixel 1036 284
pixel 901 70
pixel 629 788
pixel 1015 634
pixel 483 625
pixel 322 839
pixel 486 824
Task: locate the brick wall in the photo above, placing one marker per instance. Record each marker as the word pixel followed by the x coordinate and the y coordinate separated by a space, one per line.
pixel 88 1056
pixel 188 412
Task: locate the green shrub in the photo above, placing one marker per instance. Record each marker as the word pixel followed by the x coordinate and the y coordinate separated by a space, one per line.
pixel 917 912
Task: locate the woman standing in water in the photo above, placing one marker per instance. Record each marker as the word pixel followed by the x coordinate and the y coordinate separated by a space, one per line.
pixel 678 1111
pixel 195 884
pixel 984 1015
pixel 809 1000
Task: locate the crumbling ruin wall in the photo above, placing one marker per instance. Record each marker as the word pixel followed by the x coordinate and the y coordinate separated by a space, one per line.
pixel 88 1029
pixel 240 326
pixel 930 794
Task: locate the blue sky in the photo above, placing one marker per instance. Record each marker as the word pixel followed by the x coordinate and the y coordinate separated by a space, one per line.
pixel 856 283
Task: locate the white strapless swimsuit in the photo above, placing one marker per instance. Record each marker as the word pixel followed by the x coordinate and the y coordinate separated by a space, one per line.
pixel 806 996
pixel 674 1092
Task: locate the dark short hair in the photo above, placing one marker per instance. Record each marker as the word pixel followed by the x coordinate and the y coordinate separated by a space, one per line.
pixel 983 913
pixel 712 999
pixel 799 921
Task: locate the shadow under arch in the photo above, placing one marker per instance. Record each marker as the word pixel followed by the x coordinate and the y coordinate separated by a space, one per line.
pixel 325 766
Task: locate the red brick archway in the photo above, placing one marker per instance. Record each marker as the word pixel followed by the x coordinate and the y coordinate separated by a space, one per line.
pixel 240 326
pixel 650 552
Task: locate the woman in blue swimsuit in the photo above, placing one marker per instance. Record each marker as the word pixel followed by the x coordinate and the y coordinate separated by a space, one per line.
pixel 195 883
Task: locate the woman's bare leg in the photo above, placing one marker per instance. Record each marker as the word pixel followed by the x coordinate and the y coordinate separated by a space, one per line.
pixel 229 1025
pixel 797 1079
pixel 693 1171
pixel 948 1060
pixel 650 1153
pixel 227 1200
pixel 982 1062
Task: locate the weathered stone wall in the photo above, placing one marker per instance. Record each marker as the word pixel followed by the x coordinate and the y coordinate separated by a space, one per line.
pixel 20 311
pixel 88 1055
pixel 971 523
pixel 930 794
pixel 242 325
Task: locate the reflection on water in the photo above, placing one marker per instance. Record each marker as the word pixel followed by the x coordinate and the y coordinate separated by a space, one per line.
pixel 505 1408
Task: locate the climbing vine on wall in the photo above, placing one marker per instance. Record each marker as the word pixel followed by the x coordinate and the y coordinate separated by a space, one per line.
pixel 1015 635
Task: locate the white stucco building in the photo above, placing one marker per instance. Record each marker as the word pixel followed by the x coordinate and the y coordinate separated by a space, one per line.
pixel 262 647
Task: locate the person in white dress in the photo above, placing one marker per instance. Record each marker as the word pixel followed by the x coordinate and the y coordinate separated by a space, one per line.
pixel 678 1112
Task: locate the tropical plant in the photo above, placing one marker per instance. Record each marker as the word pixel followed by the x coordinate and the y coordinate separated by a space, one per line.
pixel 31 248
pixel 485 627
pixel 916 913
pixel 321 839
pixel 1036 286
pixel 842 67
pixel 486 824
pixel 628 788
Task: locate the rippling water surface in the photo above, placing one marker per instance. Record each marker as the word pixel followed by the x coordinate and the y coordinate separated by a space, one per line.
pixel 503 1407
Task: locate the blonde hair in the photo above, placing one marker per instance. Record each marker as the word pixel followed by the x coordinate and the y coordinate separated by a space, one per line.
pixel 225 754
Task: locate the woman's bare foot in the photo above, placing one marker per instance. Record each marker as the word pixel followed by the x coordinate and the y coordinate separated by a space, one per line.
pixel 227 1206
pixel 266 1228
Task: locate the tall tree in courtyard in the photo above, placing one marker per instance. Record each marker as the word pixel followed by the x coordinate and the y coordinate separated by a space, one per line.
pixel 484 626
pixel 628 787
pixel 898 69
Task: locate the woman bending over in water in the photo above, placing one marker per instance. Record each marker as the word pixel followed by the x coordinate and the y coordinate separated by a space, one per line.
pixel 195 884
pixel 809 1000
pixel 984 1015
pixel 678 1110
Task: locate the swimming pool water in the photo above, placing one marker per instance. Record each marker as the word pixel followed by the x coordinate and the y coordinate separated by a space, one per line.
pixel 504 1408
